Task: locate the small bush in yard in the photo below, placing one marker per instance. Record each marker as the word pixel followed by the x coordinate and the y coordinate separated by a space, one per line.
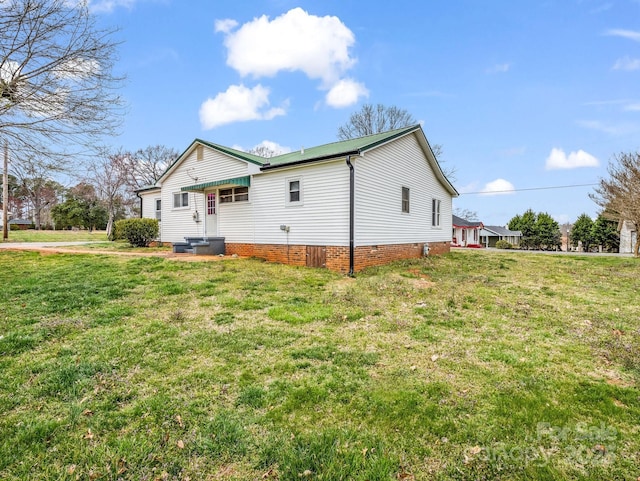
pixel 503 244
pixel 139 232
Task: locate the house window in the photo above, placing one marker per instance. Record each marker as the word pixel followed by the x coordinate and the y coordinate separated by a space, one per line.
pixel 240 194
pixel 226 195
pixel 435 212
pixel 405 199
pixel 158 204
pixel 211 203
pixel 181 200
pixel 294 191
pixel 237 194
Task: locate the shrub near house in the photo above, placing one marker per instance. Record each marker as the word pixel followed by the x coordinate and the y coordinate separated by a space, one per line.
pixel 138 232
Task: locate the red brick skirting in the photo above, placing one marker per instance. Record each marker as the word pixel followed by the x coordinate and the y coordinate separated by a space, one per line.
pixel 337 257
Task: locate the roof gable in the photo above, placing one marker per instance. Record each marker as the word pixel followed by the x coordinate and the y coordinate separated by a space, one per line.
pixel 357 146
pixel 236 154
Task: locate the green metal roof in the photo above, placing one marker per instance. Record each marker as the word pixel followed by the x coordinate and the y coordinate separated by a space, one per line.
pixel 236 181
pixel 254 159
pixel 332 150
pixel 337 149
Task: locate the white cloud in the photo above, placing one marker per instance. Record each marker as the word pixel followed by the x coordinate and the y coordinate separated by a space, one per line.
pixel 238 104
pixel 346 92
pixel 294 41
pixel 499 68
pixel 498 187
pixel 559 160
pixel 271 146
pixel 632 108
pixel 265 146
pixel 225 26
pixel 108 6
pixel 611 129
pixel 627 63
pixel 628 34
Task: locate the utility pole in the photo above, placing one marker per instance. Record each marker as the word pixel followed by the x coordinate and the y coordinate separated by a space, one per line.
pixel 5 193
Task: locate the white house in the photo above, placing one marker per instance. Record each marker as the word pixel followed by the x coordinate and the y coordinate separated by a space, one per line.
pixel 628 236
pixel 345 205
pixel 466 233
pixel 490 234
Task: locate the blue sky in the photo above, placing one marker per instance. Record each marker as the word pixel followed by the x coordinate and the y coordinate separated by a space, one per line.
pixel 521 95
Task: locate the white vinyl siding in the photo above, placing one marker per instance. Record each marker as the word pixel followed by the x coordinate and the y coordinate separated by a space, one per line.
pixel 179 223
pixel 380 175
pixel 149 203
pixel 323 219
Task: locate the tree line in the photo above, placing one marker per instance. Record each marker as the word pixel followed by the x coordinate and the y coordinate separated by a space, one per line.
pixel 103 195
pixel 541 232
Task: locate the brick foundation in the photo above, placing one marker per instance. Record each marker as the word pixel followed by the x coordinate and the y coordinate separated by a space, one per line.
pixel 337 257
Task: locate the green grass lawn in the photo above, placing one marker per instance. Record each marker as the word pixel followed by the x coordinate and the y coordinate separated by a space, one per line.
pixel 473 365
pixel 31 235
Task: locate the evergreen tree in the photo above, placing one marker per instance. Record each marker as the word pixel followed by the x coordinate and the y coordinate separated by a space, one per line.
pixel 539 231
pixel 605 233
pixel 582 231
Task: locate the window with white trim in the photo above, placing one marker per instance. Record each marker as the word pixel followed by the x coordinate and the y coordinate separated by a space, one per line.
pixel 158 204
pixel 435 212
pixel 405 199
pixel 180 200
pixel 236 194
pixel 294 191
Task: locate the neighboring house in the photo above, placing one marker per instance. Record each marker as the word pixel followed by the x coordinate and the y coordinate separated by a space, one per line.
pixel 345 205
pixel 628 236
pixel 490 234
pixel 465 233
pixel 22 224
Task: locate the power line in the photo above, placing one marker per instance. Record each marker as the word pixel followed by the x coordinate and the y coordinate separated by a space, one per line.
pixel 530 188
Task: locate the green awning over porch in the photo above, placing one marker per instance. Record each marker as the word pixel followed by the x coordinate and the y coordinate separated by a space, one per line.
pixel 236 181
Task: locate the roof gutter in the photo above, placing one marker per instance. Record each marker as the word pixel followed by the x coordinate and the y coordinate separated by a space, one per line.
pixel 351 215
pixel 306 161
pixel 139 197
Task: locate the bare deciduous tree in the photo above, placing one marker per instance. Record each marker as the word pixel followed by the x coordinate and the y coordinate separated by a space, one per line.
pixel 145 166
pixel 466 214
pixel 263 151
pixel 34 176
pixel 372 119
pixel 140 169
pixel 109 182
pixel 57 89
pixel 619 195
